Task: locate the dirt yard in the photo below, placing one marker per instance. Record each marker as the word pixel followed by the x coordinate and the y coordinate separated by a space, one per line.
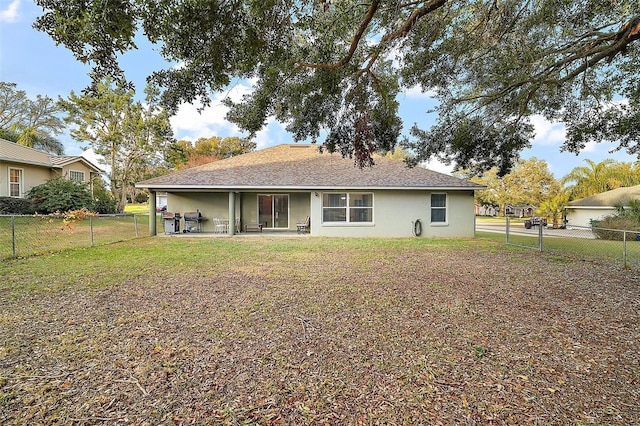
pixel 318 332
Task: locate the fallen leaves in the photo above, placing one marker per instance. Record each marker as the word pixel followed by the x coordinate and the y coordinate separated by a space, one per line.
pixel 466 337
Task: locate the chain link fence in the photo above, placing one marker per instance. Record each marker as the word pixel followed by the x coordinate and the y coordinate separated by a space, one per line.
pixel 22 236
pixel 613 246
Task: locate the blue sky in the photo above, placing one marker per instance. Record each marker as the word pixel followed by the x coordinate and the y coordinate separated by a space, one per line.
pixel 39 67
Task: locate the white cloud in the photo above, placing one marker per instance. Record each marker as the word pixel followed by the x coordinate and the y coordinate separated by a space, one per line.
pixel 191 124
pixel 437 166
pixel 548 133
pixel 11 13
pixel 416 92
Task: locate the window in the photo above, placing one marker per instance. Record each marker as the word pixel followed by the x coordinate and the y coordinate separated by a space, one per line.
pixel 15 183
pixel 438 208
pixel 348 207
pixel 76 176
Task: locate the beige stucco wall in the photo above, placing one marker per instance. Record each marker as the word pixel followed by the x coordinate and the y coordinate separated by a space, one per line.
pixel 78 167
pixel 31 176
pixel 394 213
pixel 210 204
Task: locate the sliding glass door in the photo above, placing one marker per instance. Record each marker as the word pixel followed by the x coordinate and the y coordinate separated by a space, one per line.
pixel 273 211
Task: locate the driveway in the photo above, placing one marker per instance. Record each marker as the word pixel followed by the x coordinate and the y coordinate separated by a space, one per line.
pixel 519 229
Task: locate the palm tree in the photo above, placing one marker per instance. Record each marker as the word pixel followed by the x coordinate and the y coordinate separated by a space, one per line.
pixel 553 208
pixel 592 179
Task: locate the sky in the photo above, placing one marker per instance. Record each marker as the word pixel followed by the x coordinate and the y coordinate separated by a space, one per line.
pixel 31 59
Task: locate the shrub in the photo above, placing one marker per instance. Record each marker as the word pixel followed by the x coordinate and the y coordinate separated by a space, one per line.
pixel 60 195
pixel 607 226
pixel 103 201
pixel 10 205
pixel 141 197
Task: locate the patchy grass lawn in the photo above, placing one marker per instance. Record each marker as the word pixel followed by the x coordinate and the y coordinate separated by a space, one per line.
pixel 313 331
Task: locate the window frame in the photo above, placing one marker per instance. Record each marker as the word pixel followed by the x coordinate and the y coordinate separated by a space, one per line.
pixel 432 207
pixel 78 172
pixel 20 182
pixel 349 208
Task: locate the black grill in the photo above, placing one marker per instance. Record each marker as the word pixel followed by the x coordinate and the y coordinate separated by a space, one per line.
pixel 192 221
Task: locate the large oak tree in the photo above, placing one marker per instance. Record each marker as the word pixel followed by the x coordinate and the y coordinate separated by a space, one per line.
pixel 335 67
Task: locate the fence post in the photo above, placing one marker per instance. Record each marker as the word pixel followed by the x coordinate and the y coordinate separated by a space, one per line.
pixel 624 249
pixel 540 235
pixel 506 233
pixel 91 229
pixel 13 234
pixel 135 223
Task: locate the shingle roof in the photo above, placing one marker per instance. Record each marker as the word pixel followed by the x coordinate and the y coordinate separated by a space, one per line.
pixel 609 198
pixel 301 166
pixel 10 151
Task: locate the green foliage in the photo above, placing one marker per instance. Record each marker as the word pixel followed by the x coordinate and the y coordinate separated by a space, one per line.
pixel 185 154
pixel 130 136
pixel 141 197
pixel 530 182
pixel 606 175
pixel 610 227
pixel 336 68
pixel 103 200
pixel 554 208
pixel 11 205
pixel 60 195
pixel 627 218
pixel 33 123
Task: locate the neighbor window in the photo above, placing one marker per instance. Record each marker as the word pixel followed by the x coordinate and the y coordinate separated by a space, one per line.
pixel 349 207
pixel 15 183
pixel 438 208
pixel 76 176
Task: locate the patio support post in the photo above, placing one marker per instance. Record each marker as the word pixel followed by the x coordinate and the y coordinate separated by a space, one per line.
pixel 232 213
pixel 152 214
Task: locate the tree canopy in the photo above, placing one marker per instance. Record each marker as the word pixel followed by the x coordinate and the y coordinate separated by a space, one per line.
pixel 33 123
pixel 606 175
pixel 184 154
pixel 529 182
pixel 129 136
pixel 334 68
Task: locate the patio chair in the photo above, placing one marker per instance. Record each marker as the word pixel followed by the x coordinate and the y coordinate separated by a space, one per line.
pixel 220 226
pixel 303 227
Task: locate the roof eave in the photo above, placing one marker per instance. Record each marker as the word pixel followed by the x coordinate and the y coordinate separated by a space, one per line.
pixel 31 163
pixel 166 187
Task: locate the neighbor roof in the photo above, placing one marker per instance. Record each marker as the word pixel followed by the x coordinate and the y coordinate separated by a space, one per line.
pixel 302 166
pixel 16 153
pixel 609 198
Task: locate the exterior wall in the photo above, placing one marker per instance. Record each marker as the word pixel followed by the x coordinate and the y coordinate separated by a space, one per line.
pixel 583 216
pixel 31 176
pixel 394 213
pixel 210 204
pixel 77 167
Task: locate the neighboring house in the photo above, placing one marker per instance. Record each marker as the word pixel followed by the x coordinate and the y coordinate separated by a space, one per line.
pixel 22 168
pixel 279 187
pixel 581 212
pixel 519 210
pixel 485 210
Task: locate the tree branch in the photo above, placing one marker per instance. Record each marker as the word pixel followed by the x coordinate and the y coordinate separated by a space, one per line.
pixel 354 43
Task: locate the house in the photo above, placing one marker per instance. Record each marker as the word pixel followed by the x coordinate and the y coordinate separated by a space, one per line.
pixel 22 168
pixel 527 210
pixel 279 187
pixel 485 210
pixel 585 210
